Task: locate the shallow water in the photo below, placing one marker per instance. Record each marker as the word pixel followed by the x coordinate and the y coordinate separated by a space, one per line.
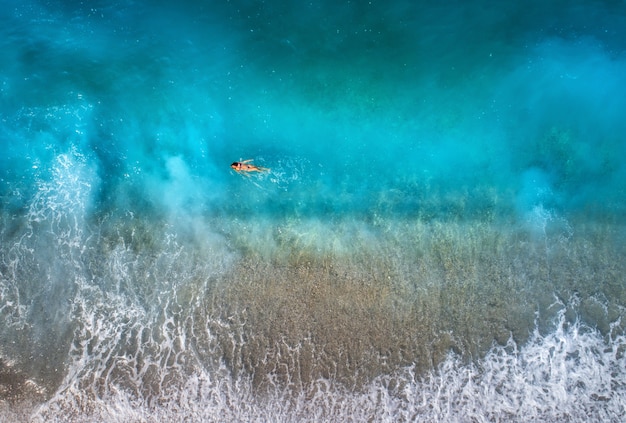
pixel 439 237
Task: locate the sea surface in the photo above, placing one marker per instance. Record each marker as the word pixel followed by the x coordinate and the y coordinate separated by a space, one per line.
pixel 439 236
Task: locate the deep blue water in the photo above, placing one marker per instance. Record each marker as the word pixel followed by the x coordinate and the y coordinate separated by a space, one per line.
pixel 440 235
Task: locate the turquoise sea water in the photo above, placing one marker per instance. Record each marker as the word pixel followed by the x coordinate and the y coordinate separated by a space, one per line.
pixel 440 236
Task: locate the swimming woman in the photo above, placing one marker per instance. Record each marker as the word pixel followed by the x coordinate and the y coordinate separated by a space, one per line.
pixel 245 167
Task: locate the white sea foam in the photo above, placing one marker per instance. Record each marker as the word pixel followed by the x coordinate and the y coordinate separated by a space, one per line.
pixel 570 374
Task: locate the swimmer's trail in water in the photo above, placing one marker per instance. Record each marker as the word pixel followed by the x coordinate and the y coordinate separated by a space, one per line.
pixel 416 229
pixel 283 173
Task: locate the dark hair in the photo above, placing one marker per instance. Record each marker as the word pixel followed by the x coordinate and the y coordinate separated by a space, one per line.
pixel 235 164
